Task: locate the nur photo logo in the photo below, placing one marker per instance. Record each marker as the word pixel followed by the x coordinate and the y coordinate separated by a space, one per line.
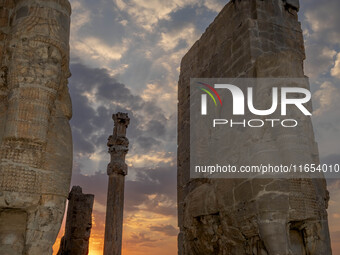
pixel 280 99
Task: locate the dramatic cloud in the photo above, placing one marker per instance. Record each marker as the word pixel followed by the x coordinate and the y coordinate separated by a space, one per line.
pixel 98 50
pixel 327 98
pixel 149 190
pixel 96 96
pixel 320 60
pixel 326 118
pixel 322 35
pixel 174 38
pixel 153 190
pixel 323 19
pixel 141 238
pixel 80 16
pixel 168 230
pixel 147 13
pixel 335 71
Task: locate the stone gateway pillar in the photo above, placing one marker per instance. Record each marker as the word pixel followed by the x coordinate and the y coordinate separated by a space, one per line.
pixel 35 135
pixel 117 169
pixel 251 216
pixel 78 223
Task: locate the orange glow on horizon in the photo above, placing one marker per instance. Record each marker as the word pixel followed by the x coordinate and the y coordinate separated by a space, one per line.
pixel 138 239
pixel 95 253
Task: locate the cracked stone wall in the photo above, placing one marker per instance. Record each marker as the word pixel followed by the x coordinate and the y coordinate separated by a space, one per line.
pixel 35 136
pixel 251 38
pixel 78 223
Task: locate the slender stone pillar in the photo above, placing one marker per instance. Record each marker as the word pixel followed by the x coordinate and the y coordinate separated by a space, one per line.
pixel 117 169
pixel 78 223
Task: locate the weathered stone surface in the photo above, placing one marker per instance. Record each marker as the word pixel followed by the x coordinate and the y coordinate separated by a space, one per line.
pixel 78 223
pixel 35 136
pixel 251 38
pixel 117 169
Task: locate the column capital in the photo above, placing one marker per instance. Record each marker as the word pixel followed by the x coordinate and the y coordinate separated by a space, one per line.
pixel 118 144
pixel 121 121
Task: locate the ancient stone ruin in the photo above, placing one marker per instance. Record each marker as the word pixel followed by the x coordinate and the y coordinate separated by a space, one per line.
pixel 78 223
pixel 117 169
pixel 256 39
pixel 35 136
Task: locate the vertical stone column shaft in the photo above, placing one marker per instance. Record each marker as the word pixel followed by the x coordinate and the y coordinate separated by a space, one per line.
pixel 117 169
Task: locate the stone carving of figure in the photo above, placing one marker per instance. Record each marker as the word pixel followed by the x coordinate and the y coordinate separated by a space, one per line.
pixel 35 136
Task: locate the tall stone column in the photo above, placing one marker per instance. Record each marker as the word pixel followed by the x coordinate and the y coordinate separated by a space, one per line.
pixel 78 223
pixel 117 169
pixel 35 135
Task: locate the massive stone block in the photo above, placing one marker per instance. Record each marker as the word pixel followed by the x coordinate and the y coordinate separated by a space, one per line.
pixel 35 136
pixel 251 39
pixel 78 223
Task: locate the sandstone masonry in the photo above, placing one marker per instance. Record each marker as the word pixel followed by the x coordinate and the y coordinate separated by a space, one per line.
pixel 254 39
pixel 35 136
pixel 78 223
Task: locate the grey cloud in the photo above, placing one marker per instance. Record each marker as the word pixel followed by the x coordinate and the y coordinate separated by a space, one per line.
pixel 108 88
pixel 331 159
pixel 324 16
pixel 156 127
pixel 91 184
pixel 168 230
pixel 201 17
pixel 140 66
pixel 81 145
pixel 81 110
pixel 320 21
pixel 319 59
pixel 92 126
pixel 160 182
pixel 102 17
pixel 147 142
pixel 141 239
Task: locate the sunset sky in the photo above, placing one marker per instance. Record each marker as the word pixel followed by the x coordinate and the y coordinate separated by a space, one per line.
pixel 125 56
